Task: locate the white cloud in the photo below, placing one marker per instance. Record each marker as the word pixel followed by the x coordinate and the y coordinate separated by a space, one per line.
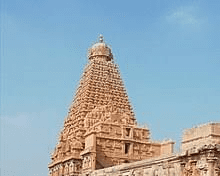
pixel 184 16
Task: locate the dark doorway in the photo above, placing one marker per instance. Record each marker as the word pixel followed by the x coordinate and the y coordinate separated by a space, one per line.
pixel 127 147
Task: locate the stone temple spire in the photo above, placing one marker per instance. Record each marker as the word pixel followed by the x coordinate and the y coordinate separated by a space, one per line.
pixel 101 91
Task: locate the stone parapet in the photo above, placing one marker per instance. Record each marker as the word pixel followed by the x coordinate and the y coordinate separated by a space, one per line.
pixel 199 136
pixel 204 163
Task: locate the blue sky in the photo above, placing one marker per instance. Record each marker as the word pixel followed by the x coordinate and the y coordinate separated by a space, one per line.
pixel 168 53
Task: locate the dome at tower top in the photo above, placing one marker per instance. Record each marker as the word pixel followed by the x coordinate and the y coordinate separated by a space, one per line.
pixel 100 49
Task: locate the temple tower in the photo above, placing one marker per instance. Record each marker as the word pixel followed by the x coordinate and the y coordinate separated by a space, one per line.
pixel 100 89
pixel 100 85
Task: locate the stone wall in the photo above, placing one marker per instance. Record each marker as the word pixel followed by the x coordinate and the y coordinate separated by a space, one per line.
pixel 200 135
pixel 205 161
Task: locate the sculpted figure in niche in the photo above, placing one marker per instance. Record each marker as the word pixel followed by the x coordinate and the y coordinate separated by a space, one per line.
pixel 187 171
pixel 58 170
pixel 146 148
pixel 191 169
pixel 202 166
pixel 66 169
pixel 137 134
pixel 87 162
pixel 71 167
pixel 108 143
pixel 118 144
pixel 217 168
pixel 136 147
pixel 195 170
pixel 78 167
pixel 84 163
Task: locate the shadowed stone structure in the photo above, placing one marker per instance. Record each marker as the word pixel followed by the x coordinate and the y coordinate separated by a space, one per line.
pixel 101 136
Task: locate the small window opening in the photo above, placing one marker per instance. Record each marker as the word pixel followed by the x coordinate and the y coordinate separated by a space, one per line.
pixel 128 131
pixel 127 146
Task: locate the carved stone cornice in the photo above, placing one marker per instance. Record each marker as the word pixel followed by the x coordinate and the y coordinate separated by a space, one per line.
pixel 215 147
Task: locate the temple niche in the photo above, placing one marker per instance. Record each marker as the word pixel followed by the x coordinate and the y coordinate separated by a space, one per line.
pixel 100 135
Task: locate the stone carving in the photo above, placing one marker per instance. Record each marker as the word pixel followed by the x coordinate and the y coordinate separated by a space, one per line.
pixel 217 167
pixel 107 113
pixel 87 162
pixel 165 170
pixel 118 145
pixel 191 169
pixel 108 144
pixel 78 167
pixel 75 144
pixel 146 148
pixel 51 172
pixel 71 167
pixel 66 169
pixel 202 165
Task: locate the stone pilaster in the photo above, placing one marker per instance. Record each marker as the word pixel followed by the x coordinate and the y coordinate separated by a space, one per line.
pixel 211 169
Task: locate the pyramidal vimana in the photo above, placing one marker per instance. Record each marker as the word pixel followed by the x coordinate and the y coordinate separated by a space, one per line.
pixel 101 137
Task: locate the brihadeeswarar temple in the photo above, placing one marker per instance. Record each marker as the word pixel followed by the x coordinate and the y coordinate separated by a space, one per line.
pixel 101 137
